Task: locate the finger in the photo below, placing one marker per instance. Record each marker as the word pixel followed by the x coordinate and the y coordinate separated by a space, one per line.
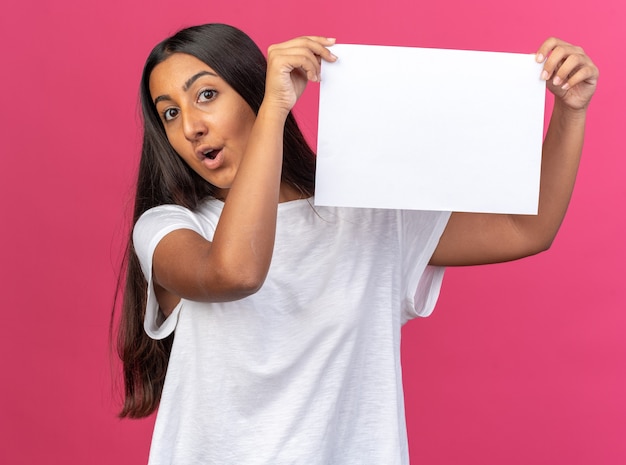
pixel 320 47
pixel 302 59
pixel 554 61
pixel 297 51
pixel 324 41
pixel 587 74
pixel 548 45
pixel 317 44
pixel 569 65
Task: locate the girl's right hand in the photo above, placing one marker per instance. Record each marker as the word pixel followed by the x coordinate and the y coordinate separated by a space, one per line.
pixel 290 65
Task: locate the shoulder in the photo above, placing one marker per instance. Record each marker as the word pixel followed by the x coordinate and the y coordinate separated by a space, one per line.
pixel 172 214
pixel 162 217
pixel 205 208
pixel 158 221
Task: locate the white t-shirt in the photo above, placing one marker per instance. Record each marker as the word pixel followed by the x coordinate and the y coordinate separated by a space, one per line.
pixel 307 370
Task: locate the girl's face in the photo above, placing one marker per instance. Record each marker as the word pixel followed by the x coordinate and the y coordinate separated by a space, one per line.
pixel 206 121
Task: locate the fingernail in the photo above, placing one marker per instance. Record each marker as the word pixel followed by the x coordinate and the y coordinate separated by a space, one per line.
pixel 544 75
pixel 331 39
pixel 539 58
pixel 565 86
pixel 334 57
pixel 556 81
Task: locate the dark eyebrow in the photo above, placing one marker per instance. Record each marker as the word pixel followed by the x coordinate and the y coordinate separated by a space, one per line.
pixel 186 86
pixel 160 98
pixel 193 79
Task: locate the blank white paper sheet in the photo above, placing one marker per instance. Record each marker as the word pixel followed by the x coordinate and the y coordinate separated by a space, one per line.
pixel 430 129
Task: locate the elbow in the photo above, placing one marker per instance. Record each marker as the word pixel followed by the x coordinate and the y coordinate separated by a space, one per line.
pixel 539 245
pixel 532 239
pixel 249 283
pixel 547 244
pixel 236 284
pixel 545 240
pixel 234 276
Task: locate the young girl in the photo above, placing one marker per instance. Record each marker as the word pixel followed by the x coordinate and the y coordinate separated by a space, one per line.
pixel 267 330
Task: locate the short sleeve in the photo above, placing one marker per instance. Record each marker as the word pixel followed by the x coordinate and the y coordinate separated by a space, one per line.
pixel 151 227
pixel 421 231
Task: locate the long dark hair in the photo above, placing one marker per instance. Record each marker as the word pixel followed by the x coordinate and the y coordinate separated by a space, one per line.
pixel 163 178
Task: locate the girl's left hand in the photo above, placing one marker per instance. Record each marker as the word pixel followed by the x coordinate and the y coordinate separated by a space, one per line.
pixel 570 74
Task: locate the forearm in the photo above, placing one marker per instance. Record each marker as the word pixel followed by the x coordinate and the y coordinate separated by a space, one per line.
pixel 472 239
pixel 562 150
pixel 248 223
pixel 244 239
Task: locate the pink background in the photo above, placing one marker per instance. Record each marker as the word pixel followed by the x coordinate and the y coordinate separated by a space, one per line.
pixel 522 363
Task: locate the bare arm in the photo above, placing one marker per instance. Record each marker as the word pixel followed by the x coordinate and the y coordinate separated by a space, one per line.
pixel 472 239
pixel 235 264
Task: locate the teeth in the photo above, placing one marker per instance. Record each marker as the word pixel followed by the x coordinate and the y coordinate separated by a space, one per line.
pixel 209 154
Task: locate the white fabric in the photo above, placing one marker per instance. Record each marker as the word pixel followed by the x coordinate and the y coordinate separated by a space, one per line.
pixel 307 370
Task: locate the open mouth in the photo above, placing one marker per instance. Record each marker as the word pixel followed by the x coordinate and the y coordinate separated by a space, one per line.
pixel 210 154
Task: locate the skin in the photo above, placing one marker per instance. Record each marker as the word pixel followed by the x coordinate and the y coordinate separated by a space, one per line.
pixel 203 114
pixel 474 239
pixel 207 113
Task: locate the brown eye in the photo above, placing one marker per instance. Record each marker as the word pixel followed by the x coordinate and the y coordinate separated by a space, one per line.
pixel 170 114
pixel 207 95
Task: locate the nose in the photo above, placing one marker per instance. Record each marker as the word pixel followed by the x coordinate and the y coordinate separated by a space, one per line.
pixel 194 126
